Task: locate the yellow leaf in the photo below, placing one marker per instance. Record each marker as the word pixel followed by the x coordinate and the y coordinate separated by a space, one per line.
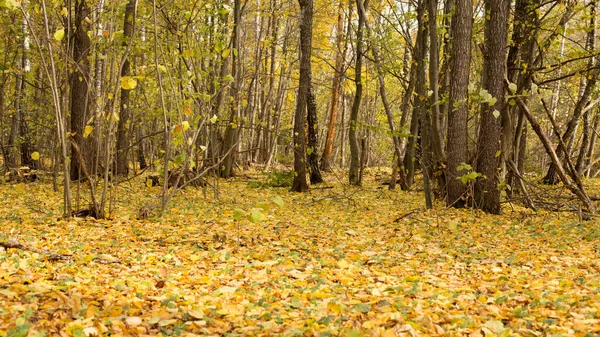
pixel 87 131
pixel 75 329
pixel 343 264
pixel 149 182
pixel 334 307
pixel 186 125
pixel 128 83
pixel 35 156
pixel 59 34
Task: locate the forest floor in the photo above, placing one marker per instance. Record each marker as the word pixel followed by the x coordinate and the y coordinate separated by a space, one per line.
pixel 335 261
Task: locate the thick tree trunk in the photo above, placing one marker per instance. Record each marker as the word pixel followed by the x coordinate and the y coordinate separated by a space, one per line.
pixel 458 111
pixel 80 84
pixel 340 57
pixel 306 14
pixel 354 174
pixel 125 107
pixel 487 193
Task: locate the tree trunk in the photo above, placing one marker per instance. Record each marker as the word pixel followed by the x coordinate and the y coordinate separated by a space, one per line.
pixel 353 175
pixel 313 140
pixel 232 130
pixel 434 72
pixel 125 108
pixel 521 52
pixel 420 52
pixel 487 193
pixel 306 14
pixel 381 80
pixel 458 110
pixel 80 84
pixel 340 57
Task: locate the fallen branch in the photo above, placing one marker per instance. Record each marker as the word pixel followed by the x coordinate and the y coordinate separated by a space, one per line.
pixel 51 255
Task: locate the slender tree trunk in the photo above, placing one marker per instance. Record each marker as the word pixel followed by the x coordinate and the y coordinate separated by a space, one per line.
pixel 270 100
pixel 458 107
pixel 313 131
pixel 335 88
pixel 420 52
pixel 353 175
pixel 487 193
pixel 15 122
pixel 306 14
pixel 232 130
pixel 434 75
pixel 125 107
pixel 521 52
pixel 80 84
pixel 381 80
pixel 590 153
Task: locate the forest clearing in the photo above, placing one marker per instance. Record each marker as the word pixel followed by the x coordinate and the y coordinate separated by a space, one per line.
pixel 339 261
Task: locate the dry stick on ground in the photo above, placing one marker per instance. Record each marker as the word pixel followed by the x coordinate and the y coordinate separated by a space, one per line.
pixel 51 256
pixel 577 190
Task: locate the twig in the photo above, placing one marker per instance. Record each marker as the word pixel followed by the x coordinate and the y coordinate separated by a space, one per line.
pixel 407 214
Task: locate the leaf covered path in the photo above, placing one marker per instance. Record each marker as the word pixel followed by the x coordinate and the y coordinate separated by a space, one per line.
pixel 339 262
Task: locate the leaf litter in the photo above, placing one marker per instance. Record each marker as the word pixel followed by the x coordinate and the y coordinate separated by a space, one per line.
pixel 338 261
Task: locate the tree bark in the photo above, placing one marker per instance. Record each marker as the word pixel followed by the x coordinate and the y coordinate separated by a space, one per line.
pixel 487 193
pixel 123 138
pixel 458 110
